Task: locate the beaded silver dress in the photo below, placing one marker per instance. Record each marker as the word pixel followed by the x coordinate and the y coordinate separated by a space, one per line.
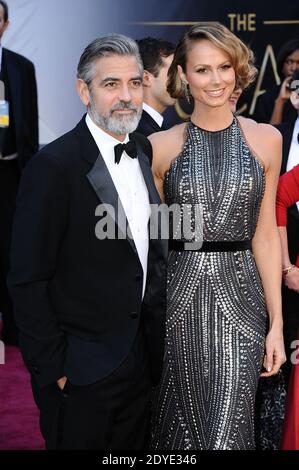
pixel 216 313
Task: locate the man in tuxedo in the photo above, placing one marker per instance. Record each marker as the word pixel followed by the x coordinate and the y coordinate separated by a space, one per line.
pixel 89 303
pixel 157 56
pixel 290 298
pixel 18 142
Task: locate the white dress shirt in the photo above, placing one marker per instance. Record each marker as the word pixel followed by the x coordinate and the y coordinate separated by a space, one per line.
pixel 157 117
pixel 131 188
pixel 293 158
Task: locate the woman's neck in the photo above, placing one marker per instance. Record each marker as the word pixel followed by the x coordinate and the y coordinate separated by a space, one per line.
pixel 212 119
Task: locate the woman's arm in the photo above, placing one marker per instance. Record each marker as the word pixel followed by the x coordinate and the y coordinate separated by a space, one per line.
pixel 157 163
pixel 287 195
pixel 267 250
pixel 280 102
pixel 166 146
pixel 291 275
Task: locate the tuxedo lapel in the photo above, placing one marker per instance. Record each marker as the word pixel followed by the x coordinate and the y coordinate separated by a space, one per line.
pixel 286 146
pixel 286 130
pixel 151 122
pixel 102 183
pixel 156 223
pixel 147 175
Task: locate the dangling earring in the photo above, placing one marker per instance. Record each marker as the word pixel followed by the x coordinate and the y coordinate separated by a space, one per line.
pixel 186 91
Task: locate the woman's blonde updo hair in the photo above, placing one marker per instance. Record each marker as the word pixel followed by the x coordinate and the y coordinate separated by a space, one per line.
pixel 241 56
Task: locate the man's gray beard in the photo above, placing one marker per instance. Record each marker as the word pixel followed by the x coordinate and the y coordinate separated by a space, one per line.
pixel 119 125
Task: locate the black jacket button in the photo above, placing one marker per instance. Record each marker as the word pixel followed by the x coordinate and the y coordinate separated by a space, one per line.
pixel 134 315
pixel 138 277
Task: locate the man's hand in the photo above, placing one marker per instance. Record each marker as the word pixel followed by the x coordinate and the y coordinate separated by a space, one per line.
pixel 61 382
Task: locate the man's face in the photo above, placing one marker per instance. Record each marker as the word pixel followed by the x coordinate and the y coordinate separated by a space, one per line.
pixel 3 23
pixel 159 84
pixel 114 98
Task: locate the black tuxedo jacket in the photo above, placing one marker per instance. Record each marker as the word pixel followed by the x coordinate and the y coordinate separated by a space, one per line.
pixel 286 130
pixel 22 83
pixel 147 125
pixel 77 298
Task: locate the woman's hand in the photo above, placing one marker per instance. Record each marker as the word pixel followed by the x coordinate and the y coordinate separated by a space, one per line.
pixel 275 353
pixel 291 280
pixel 285 93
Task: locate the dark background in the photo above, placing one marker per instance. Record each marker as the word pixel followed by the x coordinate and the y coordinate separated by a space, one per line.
pixel 255 30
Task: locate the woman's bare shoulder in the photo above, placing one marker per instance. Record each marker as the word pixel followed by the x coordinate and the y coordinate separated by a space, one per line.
pixel 264 139
pixel 167 145
pixel 261 130
pixel 164 141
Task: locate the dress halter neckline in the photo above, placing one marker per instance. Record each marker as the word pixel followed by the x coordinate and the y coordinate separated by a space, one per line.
pixel 214 132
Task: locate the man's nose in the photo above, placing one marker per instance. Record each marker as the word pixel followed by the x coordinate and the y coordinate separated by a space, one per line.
pixel 125 94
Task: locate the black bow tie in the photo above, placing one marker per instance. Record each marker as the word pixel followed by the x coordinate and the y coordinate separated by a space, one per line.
pixel 130 149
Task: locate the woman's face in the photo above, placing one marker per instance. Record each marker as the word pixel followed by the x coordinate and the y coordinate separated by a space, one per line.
pixel 291 64
pixel 210 74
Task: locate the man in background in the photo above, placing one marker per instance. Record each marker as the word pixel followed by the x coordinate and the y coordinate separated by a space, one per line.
pixel 156 55
pixel 18 142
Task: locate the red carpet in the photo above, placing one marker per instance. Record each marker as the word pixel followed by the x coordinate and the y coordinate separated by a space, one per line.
pixel 290 436
pixel 19 428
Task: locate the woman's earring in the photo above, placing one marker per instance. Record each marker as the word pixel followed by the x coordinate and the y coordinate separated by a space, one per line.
pixel 186 91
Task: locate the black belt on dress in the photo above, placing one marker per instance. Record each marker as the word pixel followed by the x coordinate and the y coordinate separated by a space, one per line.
pixel 178 245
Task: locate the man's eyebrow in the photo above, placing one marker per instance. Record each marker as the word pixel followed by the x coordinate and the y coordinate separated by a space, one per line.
pixel 110 79
pixel 139 77
pixel 115 79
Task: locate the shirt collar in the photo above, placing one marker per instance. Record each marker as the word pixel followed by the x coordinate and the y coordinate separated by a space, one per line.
pixel 157 117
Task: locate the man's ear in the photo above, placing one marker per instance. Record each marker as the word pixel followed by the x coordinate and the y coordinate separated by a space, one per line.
pixel 5 26
pixel 83 92
pixel 147 79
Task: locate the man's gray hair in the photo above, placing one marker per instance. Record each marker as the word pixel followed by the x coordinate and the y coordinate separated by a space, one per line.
pixel 115 44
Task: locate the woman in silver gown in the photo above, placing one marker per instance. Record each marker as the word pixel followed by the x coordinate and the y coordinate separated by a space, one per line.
pixel 218 295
